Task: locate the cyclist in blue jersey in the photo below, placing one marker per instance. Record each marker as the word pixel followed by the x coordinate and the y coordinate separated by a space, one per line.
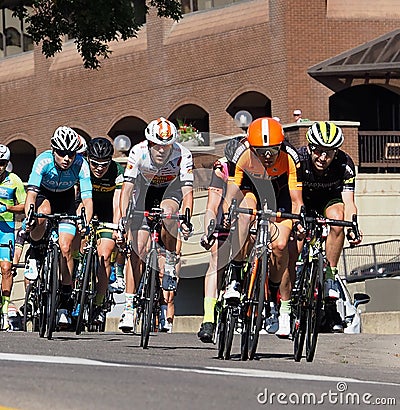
pixel 51 190
pixel 12 198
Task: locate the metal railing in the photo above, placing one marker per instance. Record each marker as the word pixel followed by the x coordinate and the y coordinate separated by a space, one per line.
pixel 379 259
pixel 379 149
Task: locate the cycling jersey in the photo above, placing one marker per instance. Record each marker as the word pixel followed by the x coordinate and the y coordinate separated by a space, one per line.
pixel 320 189
pixel 45 174
pixel 12 192
pixel 251 175
pixel 141 169
pixel 103 191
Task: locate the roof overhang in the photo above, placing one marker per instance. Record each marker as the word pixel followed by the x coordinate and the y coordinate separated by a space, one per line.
pixel 377 59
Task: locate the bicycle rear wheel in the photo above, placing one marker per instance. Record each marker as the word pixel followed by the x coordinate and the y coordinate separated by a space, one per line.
pixel 43 294
pixel 149 293
pixel 315 306
pixel 52 300
pixel 30 308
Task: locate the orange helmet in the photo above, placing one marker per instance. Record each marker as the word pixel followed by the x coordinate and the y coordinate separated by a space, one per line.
pixel 264 132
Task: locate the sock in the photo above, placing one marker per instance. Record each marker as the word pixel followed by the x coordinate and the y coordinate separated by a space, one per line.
pixel 330 272
pixel 285 306
pixel 129 301
pixel 120 270
pixel 5 300
pixel 209 306
pixel 273 290
pixel 65 297
pixel 237 267
pixel 98 299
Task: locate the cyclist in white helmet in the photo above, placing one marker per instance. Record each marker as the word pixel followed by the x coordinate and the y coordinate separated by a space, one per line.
pixel 158 173
pixel 51 190
pixel 12 198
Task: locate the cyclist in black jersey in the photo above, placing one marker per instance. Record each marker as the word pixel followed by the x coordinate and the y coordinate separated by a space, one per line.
pixel 328 176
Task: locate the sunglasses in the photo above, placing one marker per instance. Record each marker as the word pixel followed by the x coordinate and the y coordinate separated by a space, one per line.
pixel 63 153
pixel 3 162
pixel 329 152
pixel 271 151
pixel 97 164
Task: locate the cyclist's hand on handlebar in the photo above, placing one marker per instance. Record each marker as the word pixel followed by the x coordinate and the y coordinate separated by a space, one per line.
pixel 299 231
pixel 207 241
pixel 353 238
pixel 226 221
pixel 26 226
pixel 186 229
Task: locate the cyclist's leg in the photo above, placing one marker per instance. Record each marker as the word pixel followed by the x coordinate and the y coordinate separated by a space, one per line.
pixel 169 235
pixel 105 247
pixel 241 244
pixel 280 267
pixel 133 271
pixel 333 246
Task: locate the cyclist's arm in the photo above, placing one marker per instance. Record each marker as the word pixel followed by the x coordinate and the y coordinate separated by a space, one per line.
pixel 213 203
pixel 116 208
pixel 350 207
pixel 88 204
pixel 125 197
pixel 187 201
pixel 30 199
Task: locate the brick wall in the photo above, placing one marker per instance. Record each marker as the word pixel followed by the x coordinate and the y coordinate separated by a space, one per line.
pixel 208 59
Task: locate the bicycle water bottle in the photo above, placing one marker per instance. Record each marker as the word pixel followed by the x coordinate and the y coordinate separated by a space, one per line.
pixel 76 310
pixel 113 275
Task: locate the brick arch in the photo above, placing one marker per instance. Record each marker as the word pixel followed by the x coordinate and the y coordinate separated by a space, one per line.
pixel 23 154
pixel 129 125
pixel 255 102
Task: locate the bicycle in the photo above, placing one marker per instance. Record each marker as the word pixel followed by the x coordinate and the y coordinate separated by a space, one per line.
pixel 85 283
pixel 254 294
pixel 149 289
pixel 47 285
pixel 307 295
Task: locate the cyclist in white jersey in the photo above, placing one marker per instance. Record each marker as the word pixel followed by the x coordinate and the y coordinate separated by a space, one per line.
pixel 159 173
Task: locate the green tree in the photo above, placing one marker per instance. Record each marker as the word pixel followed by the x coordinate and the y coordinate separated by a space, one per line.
pixel 92 24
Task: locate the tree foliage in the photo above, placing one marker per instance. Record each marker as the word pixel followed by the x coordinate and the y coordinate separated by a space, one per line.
pixel 92 24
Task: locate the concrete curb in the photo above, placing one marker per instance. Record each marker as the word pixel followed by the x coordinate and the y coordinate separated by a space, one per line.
pixel 379 323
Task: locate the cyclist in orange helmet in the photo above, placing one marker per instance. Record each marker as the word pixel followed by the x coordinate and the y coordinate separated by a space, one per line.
pixel 266 170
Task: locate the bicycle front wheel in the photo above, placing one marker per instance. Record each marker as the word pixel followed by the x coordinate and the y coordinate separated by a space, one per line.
pixel 83 297
pixel 299 311
pixel 52 300
pixel 315 306
pixel 149 292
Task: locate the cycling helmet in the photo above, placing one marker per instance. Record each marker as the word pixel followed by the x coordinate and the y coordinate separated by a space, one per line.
pixel 231 147
pixel 4 152
pixel 161 132
pixel 100 148
pixel 65 139
pixel 265 132
pixel 325 134
pixel 82 145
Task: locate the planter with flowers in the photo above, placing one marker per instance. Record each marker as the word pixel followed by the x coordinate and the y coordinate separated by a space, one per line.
pixel 189 135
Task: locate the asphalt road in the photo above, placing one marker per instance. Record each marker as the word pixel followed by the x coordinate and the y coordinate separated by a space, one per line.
pixel 110 370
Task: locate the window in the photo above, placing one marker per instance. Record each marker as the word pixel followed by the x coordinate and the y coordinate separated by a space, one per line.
pixel 189 6
pixel 13 36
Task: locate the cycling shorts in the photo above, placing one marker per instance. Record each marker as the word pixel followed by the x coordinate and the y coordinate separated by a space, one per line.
pixel 60 202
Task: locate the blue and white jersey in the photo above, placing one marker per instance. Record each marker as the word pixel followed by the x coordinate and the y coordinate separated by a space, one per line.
pixel 47 175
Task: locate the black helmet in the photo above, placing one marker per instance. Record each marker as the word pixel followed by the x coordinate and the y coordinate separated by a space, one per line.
pixel 231 147
pixel 100 148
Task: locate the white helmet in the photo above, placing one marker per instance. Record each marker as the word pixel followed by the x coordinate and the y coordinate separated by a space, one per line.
pixel 65 139
pixel 161 132
pixel 82 145
pixel 4 152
